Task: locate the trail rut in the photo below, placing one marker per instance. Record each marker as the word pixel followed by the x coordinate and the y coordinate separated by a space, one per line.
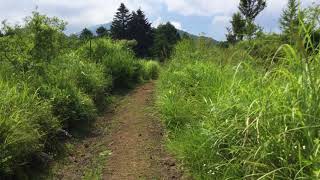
pixel 132 136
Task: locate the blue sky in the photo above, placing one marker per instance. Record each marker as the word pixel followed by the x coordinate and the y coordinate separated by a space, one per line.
pixel 210 17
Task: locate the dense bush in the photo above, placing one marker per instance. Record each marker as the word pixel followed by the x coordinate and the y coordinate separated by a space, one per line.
pixel 263 48
pixel 117 60
pixel 240 121
pixel 46 87
pixel 150 69
pixel 25 124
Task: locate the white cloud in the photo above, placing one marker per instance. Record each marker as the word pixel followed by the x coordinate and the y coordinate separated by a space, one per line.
pixel 221 19
pixel 214 7
pixel 157 22
pixel 80 13
pixel 201 7
pixel 160 21
pixel 177 24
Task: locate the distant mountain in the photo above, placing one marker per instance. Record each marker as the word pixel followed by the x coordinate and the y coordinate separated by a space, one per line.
pixel 182 33
pixel 93 29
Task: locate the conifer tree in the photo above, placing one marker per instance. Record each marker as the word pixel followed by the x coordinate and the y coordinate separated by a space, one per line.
pixel 102 32
pixel 86 34
pixel 289 21
pixel 140 30
pixel 238 26
pixel 119 27
pixel 251 8
pixel 231 37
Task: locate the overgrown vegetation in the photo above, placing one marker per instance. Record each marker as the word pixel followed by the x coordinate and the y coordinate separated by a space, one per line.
pixel 135 27
pixel 52 85
pixel 249 111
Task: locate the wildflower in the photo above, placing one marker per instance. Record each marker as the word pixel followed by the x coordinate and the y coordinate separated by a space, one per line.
pixel 304 147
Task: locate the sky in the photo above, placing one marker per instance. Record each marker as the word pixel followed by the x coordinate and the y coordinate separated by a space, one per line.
pixel 206 17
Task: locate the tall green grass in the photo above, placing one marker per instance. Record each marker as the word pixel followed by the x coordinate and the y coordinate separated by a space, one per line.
pixel 231 120
pixel 26 123
pixel 39 98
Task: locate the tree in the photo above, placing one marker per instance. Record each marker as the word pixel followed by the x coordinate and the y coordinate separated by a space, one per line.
pixel 238 26
pixel 119 27
pixel 231 37
pixel 86 34
pixel 251 8
pixel 102 32
pixel 1 35
pixel 47 36
pixel 165 38
pixel 289 21
pixel 140 30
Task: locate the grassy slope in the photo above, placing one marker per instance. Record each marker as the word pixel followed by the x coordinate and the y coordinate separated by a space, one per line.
pixel 231 120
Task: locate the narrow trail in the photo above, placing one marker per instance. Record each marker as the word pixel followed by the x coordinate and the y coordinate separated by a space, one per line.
pixel 127 145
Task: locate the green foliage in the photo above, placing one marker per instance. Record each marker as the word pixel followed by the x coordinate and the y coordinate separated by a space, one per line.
pixel 86 34
pixel 165 38
pixel 238 26
pixel 49 81
pixel 119 27
pixel 73 91
pixel 264 48
pixel 289 21
pixel 25 124
pixel 243 22
pixel 151 69
pixel 140 30
pixel 238 120
pixel 252 8
pixel 47 34
pixel 102 32
pixel 122 66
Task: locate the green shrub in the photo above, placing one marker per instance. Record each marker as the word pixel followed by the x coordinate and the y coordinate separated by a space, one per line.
pixel 89 77
pixel 72 86
pixel 25 123
pixel 118 61
pixel 150 69
pixel 263 48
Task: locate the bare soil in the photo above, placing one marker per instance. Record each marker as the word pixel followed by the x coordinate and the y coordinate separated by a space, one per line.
pixel 132 137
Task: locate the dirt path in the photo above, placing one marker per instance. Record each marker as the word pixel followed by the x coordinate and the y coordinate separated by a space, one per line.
pixel 127 144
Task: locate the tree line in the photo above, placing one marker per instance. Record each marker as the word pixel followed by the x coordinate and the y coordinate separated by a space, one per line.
pixel 243 26
pixel 134 26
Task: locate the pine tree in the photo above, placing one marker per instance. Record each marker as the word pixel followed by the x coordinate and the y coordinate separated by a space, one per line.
pixel 119 27
pixel 289 21
pixel 140 30
pixel 102 32
pixel 251 8
pixel 238 26
pixel 231 37
pixel 86 34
